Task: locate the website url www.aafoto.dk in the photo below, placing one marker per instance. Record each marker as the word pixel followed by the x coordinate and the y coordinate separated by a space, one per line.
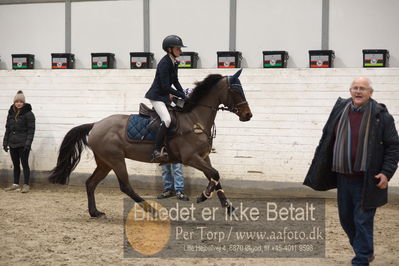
pixel 280 235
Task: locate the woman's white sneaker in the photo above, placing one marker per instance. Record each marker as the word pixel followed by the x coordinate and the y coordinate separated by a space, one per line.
pixel 25 189
pixel 13 187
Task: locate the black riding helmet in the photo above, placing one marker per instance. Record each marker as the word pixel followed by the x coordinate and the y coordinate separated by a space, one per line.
pixel 172 41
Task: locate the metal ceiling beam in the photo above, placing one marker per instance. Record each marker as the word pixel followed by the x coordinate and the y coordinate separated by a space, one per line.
pixel 146 25
pixel 325 24
pixel 233 25
pixel 17 2
pixel 68 26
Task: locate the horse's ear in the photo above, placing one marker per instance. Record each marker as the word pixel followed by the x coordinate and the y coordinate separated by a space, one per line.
pixel 237 74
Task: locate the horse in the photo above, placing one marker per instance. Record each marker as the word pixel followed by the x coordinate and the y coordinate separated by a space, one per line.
pixel 191 145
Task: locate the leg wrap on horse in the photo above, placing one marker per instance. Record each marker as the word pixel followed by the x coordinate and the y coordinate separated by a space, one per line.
pixel 215 178
pixel 221 195
pixel 202 198
pixel 207 193
pixel 209 189
pixel 216 182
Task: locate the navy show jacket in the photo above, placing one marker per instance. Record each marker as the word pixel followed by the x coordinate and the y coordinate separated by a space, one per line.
pixel 165 76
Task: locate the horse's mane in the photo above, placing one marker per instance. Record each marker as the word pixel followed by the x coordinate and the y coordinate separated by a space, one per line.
pixel 201 89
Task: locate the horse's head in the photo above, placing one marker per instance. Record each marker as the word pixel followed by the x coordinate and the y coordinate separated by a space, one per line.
pixel 234 98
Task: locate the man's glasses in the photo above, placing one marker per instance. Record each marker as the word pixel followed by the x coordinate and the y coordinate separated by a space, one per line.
pixel 361 89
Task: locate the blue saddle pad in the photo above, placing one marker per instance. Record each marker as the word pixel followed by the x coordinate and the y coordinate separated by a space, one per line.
pixel 137 128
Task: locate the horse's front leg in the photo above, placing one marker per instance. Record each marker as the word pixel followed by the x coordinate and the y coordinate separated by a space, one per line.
pixel 223 200
pixel 220 192
pixel 207 193
pixel 212 174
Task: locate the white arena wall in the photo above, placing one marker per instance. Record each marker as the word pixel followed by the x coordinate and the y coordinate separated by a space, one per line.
pixel 290 107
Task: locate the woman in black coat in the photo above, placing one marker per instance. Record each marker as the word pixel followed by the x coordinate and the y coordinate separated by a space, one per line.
pixel 20 129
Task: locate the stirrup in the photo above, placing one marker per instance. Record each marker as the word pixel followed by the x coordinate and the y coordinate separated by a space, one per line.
pixel 160 156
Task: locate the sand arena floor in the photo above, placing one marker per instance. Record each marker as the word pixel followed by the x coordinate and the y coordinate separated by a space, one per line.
pixel 51 226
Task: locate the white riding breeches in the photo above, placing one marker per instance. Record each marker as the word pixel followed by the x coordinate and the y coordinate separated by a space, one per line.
pixel 162 111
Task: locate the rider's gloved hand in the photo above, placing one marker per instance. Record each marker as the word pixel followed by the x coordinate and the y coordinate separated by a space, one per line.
pixel 182 95
pixel 188 91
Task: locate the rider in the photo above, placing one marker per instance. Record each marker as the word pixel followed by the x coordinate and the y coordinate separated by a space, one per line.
pixel 159 93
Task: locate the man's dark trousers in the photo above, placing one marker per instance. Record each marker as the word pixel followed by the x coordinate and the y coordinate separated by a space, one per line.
pixel 356 222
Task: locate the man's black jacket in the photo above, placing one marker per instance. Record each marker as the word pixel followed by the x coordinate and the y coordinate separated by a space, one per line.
pixel 382 157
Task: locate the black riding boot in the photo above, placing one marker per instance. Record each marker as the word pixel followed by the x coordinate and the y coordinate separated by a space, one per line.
pixel 157 155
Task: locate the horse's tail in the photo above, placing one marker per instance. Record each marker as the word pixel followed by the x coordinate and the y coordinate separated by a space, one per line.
pixel 69 155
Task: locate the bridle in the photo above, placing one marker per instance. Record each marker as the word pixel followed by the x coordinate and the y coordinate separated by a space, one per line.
pixel 234 107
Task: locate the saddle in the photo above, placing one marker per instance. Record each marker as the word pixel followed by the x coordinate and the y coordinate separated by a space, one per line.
pixel 155 121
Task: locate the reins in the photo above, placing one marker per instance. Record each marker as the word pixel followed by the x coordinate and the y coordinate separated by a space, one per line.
pixel 233 109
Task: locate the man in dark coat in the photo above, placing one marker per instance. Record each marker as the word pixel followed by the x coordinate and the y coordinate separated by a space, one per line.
pixel 358 154
pixel 20 130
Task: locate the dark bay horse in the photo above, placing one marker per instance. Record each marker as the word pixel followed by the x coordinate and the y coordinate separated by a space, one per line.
pixel 190 146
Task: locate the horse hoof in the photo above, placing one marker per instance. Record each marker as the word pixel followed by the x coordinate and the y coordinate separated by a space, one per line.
pixel 230 209
pixel 98 214
pixel 148 208
pixel 202 198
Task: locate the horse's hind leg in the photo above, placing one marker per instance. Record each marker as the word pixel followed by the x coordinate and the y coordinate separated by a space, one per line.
pixel 99 174
pixel 124 184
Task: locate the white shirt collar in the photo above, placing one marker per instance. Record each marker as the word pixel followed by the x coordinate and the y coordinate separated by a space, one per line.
pixel 173 59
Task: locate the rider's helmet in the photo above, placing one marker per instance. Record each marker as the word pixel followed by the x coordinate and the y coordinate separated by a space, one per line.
pixel 172 41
